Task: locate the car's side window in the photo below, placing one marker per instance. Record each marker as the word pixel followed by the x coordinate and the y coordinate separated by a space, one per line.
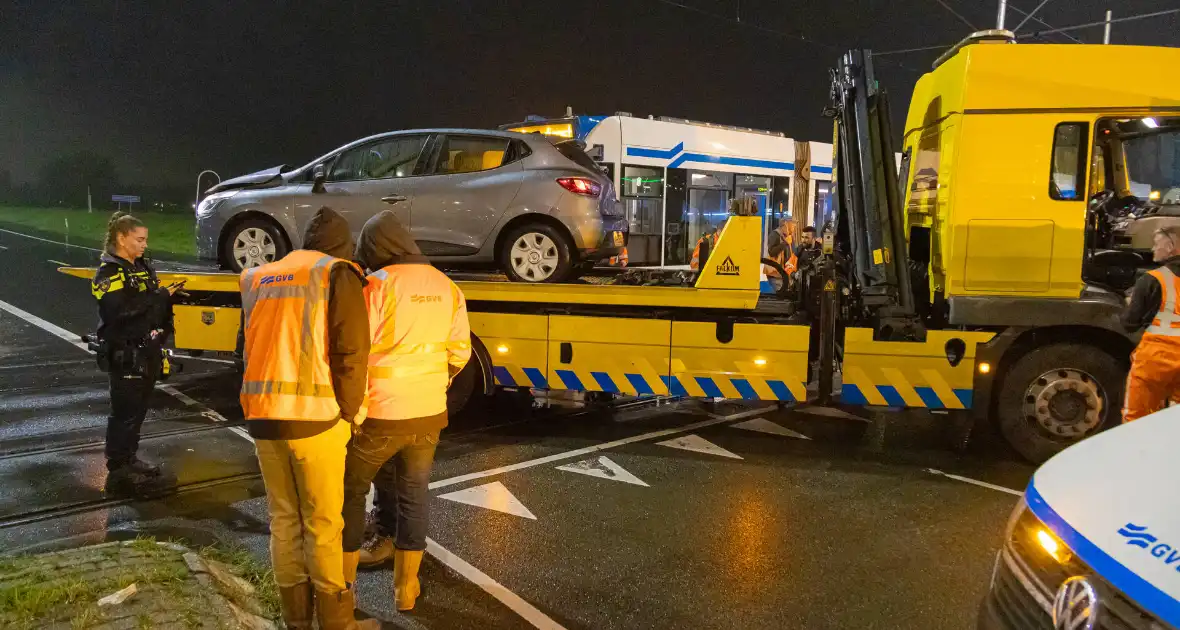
pixel 392 157
pixel 468 154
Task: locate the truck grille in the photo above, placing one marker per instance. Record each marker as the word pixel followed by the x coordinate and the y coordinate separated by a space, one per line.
pixel 1027 579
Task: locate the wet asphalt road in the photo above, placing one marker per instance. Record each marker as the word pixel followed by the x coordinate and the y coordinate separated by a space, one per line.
pixel 838 525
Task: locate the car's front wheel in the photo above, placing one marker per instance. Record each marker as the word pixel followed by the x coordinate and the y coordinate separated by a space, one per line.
pixel 536 252
pixel 252 243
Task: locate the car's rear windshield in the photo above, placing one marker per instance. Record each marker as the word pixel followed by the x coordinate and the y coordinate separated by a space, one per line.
pixel 572 151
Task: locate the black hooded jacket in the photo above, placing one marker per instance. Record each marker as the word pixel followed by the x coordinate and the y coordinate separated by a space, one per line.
pixel 348 331
pixel 131 303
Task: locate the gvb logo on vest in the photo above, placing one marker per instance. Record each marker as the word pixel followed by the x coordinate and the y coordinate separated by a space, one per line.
pixel 1138 536
pixel 276 279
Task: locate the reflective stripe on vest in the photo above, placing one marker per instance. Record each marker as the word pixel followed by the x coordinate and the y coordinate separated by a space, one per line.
pixel 285 305
pixel 1167 320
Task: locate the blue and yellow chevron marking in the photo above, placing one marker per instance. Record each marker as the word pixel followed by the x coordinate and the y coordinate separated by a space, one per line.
pixel 638 384
pixel 909 374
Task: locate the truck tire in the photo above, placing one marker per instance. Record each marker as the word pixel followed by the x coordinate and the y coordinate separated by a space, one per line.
pixel 536 252
pixel 1057 395
pixel 252 243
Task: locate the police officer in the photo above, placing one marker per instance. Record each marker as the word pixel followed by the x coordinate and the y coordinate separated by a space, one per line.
pixel 134 322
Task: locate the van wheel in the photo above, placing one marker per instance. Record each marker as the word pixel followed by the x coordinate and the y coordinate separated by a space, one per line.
pixel 252 243
pixel 536 252
pixel 1058 395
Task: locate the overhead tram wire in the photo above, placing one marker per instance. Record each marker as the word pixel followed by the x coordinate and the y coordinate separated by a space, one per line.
pixel 796 36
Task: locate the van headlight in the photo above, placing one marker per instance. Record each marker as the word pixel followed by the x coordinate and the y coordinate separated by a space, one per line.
pixel 210 204
pixel 1028 532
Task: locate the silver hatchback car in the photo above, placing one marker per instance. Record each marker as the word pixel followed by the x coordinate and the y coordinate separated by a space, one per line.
pixel 542 211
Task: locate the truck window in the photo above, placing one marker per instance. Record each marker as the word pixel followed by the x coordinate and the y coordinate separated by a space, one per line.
pixel 1068 178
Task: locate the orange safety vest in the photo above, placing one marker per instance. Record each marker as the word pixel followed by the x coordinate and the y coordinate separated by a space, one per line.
pixel 789 264
pixel 285 305
pixel 1165 326
pixel 620 260
pixel 420 333
pixel 695 263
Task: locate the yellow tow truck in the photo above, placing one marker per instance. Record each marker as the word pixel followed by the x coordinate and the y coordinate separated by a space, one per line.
pixel 984 279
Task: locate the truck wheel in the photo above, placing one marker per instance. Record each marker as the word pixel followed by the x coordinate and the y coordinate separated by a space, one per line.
pixel 252 243
pixel 1058 395
pixel 462 388
pixel 536 252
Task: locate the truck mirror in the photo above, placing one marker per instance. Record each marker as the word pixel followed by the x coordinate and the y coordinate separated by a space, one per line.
pixel 956 349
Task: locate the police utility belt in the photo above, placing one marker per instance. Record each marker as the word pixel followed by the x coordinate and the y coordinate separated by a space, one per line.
pixel 131 359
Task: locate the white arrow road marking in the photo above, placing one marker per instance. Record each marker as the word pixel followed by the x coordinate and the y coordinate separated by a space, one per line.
pixel 492 496
pixel 603 468
pixel 766 426
pixel 698 444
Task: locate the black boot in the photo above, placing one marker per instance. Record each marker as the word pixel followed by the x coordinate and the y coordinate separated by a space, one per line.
pixel 127 481
pixel 140 466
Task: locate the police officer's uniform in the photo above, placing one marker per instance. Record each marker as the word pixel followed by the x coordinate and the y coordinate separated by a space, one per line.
pixel 135 321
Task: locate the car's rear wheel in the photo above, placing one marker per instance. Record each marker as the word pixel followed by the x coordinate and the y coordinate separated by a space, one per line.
pixel 536 252
pixel 252 243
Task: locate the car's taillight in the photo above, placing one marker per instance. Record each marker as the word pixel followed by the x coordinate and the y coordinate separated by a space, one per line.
pixel 581 186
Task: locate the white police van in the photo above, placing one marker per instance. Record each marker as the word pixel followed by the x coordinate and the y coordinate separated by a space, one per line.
pixel 1095 542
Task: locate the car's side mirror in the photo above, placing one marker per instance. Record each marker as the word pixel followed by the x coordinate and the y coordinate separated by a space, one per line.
pixel 318 175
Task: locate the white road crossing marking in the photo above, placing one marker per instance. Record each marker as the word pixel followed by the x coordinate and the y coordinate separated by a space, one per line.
pixel 975 482
pixel 45 240
pixel 492 496
pixel 527 611
pixel 2 248
pixel 58 263
pixel 541 461
pixel 698 444
pixel 766 426
pixel 603 468
pixel 830 412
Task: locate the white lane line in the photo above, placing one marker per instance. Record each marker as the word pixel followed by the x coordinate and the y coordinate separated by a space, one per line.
pixel 527 611
pixel 2 248
pixel 442 483
pixel 58 262
pixel 45 240
pixel 975 482
pixel 52 329
pixel 62 333
pixel 513 601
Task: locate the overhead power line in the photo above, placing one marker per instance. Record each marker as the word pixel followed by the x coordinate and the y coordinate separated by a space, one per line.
pixel 958 15
pixel 1141 16
pixel 1043 23
pixel 1030 15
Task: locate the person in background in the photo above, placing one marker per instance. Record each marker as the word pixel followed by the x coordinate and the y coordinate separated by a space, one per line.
pixel 305 347
pixel 779 249
pixel 809 241
pixel 1153 307
pixel 421 339
pixel 134 323
pixel 705 246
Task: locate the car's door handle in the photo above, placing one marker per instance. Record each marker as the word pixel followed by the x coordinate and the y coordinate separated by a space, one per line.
pixel 392 199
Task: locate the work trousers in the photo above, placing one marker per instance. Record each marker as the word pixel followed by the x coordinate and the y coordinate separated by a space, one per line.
pixel 131 396
pixel 304 491
pixel 400 466
pixel 1154 378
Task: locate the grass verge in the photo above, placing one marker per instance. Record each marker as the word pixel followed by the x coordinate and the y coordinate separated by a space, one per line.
pixel 170 234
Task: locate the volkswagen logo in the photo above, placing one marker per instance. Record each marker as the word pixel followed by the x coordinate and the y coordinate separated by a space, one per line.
pixel 1076 605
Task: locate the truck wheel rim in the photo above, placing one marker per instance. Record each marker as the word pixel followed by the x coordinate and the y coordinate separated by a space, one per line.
pixel 253 247
pixel 534 257
pixel 1065 403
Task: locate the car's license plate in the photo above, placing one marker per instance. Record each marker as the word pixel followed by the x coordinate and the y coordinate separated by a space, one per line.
pixel 618 239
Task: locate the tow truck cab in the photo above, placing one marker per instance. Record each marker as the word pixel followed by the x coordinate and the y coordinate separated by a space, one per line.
pixel 1095 541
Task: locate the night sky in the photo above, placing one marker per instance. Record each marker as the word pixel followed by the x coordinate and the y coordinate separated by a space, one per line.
pixel 167 88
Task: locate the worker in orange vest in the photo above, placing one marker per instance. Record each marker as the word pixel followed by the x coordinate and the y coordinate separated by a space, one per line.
pixel 709 240
pixel 1154 378
pixel 421 339
pixel 306 344
pixel 780 248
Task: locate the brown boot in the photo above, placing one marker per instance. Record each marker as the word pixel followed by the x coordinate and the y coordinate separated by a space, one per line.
pixel 298 605
pixel 335 612
pixel 406 587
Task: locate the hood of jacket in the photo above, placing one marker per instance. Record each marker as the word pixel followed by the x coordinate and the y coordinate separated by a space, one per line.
pixel 385 241
pixel 328 232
